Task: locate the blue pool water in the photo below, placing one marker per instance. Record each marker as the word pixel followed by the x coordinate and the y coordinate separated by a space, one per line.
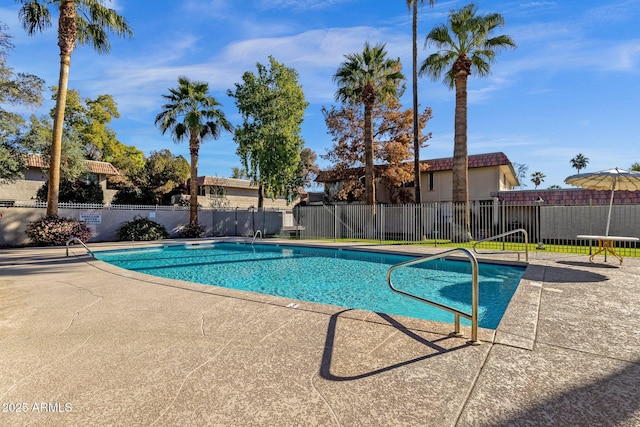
pixel 347 278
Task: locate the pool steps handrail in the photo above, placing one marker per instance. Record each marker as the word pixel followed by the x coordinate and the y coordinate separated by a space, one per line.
pixel 507 233
pixel 457 313
pixel 256 235
pixel 76 239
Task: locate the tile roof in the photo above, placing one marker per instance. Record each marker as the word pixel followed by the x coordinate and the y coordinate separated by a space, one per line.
pixel 568 196
pixel 432 165
pixel 102 168
pixel 475 161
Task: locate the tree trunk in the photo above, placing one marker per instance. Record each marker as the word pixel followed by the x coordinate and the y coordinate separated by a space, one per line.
pixel 260 196
pixel 368 96
pixel 416 127
pixel 460 194
pixel 194 148
pixel 66 41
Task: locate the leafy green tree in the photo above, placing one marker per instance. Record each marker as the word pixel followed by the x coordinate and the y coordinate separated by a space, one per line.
pixel 238 173
pixel 272 106
pixel 635 167
pixel 163 175
pixel 88 120
pixel 413 5
pixel 76 191
pixel 579 162
pixel 537 178
pixel 464 46
pixel 15 89
pixel 37 140
pixel 365 79
pixel 11 163
pixel 191 113
pixel 80 21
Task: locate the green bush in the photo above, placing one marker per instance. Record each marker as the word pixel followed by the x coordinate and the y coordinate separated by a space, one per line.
pixel 191 230
pixel 56 231
pixel 142 229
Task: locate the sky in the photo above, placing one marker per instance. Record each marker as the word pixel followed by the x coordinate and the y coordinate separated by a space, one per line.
pixel 571 86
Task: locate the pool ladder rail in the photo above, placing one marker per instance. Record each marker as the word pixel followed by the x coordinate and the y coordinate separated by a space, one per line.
pixel 457 313
pixel 256 235
pixel 76 239
pixel 498 236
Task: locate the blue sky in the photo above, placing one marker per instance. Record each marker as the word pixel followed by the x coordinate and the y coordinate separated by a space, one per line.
pixel 572 85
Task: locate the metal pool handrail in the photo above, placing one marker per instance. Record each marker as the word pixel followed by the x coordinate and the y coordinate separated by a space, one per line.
pixel 457 313
pixel 256 235
pixel 75 239
pixel 519 230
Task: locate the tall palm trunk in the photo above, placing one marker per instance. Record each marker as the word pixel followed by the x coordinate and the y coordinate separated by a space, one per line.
pixel 416 143
pixel 462 69
pixel 67 32
pixel 369 96
pixel 194 148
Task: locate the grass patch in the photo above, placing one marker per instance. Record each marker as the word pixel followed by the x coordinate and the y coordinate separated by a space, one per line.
pixel 494 246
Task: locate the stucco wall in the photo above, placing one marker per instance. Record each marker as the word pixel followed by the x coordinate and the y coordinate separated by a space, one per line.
pixel 13 222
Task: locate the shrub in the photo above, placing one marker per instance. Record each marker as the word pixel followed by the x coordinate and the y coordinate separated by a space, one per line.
pixel 191 230
pixel 142 229
pixel 56 231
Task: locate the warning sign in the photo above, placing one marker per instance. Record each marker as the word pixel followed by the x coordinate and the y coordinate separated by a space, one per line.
pixel 91 217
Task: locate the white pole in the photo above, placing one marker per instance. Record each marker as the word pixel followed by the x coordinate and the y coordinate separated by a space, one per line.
pixel 613 189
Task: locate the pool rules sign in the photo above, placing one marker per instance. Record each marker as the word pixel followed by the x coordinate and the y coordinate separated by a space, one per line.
pixel 91 218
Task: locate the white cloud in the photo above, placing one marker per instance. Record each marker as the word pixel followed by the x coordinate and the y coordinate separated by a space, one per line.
pixel 300 4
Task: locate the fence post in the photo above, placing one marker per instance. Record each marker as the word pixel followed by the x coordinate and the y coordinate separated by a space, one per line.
pixel 381 224
pixel 335 223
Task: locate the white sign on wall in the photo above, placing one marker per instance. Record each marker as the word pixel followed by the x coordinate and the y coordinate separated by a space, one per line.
pixel 91 217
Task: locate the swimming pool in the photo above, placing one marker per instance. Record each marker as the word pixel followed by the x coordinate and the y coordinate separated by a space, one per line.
pixel 348 278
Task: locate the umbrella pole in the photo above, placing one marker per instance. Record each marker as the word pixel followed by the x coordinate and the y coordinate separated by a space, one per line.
pixel 613 189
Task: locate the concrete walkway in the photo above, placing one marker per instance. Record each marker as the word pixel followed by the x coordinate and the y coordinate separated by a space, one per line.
pixel 85 343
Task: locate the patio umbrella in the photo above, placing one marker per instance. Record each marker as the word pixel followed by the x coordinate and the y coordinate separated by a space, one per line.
pixel 610 179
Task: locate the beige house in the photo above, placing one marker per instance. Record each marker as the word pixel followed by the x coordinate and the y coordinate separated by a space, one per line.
pixel 488 175
pixel 25 190
pixel 232 193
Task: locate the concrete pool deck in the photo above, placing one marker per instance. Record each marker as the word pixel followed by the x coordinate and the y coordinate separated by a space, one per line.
pixel 85 343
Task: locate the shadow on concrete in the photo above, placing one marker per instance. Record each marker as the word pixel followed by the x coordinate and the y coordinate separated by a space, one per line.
pixel 587 264
pixel 612 400
pixel 571 275
pixel 327 356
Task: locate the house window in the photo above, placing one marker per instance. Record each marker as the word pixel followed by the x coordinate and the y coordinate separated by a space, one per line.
pixel 90 178
pixel 430 181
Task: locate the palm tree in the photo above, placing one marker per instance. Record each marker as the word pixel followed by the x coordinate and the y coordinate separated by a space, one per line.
pixel 537 178
pixel 81 21
pixel 366 78
pixel 413 4
pixel 463 47
pixel 579 162
pixel 191 113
